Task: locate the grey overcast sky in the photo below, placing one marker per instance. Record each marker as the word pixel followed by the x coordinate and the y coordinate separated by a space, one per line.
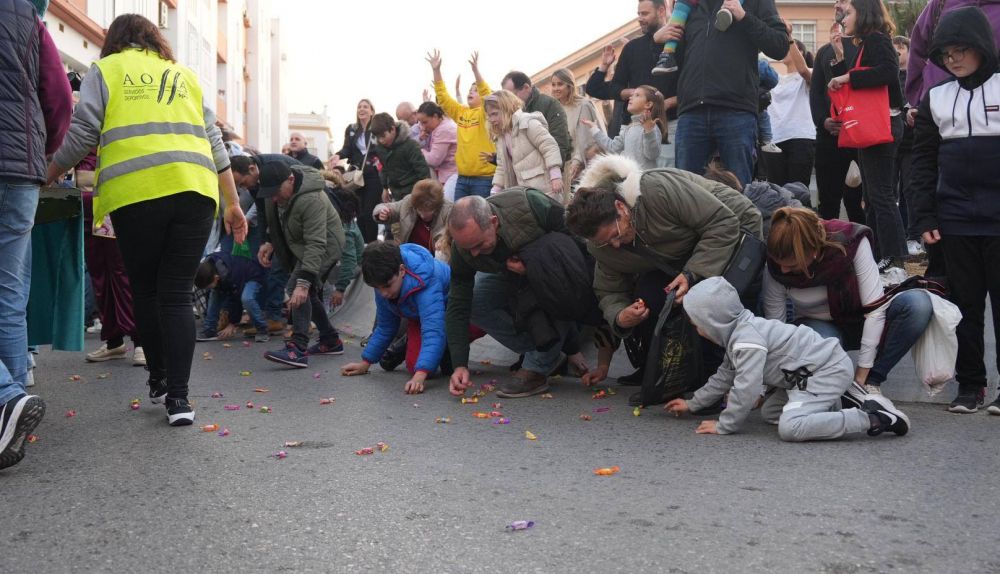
pixel 342 51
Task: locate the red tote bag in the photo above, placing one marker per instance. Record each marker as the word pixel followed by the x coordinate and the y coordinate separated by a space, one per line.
pixel 864 113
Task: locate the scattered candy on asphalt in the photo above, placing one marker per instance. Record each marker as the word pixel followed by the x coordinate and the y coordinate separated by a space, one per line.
pixel 246 343
pixel 249 405
pixel 261 390
pixel 365 451
pixel 265 410
pixel 103 376
pixel 316 375
pixel 497 405
pixel 328 401
pixel 443 420
pixel 206 356
pixel 136 403
pixel 280 454
pixel 224 432
pixel 232 407
pixel 481 415
pixel 245 373
pixel 501 421
pixel 227 346
pixel 608 471
pixel 32 438
pixel 530 435
pixel 210 428
pixel 585 417
pixel 217 395
pixel 600 394
pixel 381 446
pixel 470 400
pixel 70 413
pixel 75 378
pixel 293 444
pixel 520 525
pixel 636 412
pixel 486 363
pixel 495 414
pixel 602 409
pixel 547 396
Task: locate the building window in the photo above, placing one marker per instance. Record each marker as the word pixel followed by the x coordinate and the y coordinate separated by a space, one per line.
pixel 805 32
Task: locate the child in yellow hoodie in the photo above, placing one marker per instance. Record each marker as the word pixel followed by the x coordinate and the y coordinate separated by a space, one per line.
pixel 475 148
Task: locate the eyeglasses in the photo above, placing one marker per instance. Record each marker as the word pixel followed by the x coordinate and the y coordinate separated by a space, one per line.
pixel 615 238
pixel 953 57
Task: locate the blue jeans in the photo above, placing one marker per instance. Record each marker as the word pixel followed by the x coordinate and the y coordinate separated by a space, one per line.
pixel 251 291
pixel 707 129
pixel 18 201
pixel 466 186
pixel 277 280
pixel 490 313
pixel 250 304
pixel 906 319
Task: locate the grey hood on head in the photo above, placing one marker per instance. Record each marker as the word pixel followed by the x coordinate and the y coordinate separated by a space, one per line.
pixel 715 307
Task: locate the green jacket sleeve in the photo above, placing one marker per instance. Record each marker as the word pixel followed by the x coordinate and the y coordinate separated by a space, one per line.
pixel 349 260
pixel 559 130
pixel 312 218
pixel 614 292
pixel 418 165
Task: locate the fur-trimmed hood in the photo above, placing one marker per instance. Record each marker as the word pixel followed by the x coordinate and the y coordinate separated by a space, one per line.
pixel 615 171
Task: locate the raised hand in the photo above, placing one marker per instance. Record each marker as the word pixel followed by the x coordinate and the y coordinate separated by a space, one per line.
pixel 474 61
pixel 434 59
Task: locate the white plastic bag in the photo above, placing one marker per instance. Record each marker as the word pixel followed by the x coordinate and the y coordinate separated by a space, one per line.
pixel 853 178
pixel 935 351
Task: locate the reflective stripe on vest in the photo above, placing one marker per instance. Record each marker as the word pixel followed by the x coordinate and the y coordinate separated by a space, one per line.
pixel 153 140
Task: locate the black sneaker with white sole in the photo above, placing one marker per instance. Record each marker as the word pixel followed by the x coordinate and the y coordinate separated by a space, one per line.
pixel 889 417
pixel 179 412
pixel 994 408
pixel 18 417
pixel 666 64
pixel 157 390
pixel 967 401
pixel 854 397
pixel 723 20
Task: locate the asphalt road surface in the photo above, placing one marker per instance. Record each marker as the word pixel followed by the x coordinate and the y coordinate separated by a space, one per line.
pixel 113 489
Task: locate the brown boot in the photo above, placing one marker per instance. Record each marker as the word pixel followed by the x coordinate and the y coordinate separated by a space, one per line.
pixel 275 327
pixel 524 384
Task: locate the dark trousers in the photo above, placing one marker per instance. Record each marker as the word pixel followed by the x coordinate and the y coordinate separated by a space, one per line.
pixel 904 165
pixel 973 273
pixel 111 289
pixel 369 196
pixel 832 163
pixel 162 241
pixel 311 310
pixel 878 170
pixel 794 163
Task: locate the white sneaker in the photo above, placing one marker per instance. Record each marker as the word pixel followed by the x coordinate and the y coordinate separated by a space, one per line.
pixel 29 381
pixel 914 247
pixel 139 357
pixel 96 327
pixel 873 389
pixel 106 354
pixel 770 148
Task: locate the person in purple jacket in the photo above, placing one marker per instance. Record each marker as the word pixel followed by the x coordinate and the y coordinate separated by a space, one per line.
pixel 35 109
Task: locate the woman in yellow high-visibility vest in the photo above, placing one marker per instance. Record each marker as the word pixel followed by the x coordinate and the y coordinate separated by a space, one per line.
pixel 161 164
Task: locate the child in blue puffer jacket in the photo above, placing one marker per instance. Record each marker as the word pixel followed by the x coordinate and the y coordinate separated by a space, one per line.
pixel 409 283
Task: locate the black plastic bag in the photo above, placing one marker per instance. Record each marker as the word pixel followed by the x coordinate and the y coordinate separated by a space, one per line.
pixel 673 363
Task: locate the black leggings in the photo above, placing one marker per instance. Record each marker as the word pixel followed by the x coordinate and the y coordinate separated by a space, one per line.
pixel 162 241
pixel 369 196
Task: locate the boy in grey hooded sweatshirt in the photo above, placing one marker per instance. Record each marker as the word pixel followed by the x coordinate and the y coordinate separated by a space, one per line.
pixel 796 361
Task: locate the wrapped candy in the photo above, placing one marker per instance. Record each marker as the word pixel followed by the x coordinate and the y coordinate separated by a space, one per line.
pixel 293 443
pixel 217 395
pixel 265 410
pixel 316 375
pixel 470 400
pixel 328 401
pixel 136 403
pixel 607 471
pixel 246 344
pixel 32 438
pixel 245 373
pixel 547 396
pixel 70 413
pixel 486 363
pixel 365 451
pixel 232 407
pixel 640 303
pixel 103 376
pixel 602 409
pixel 249 405
pixel 224 432
pixel 261 390
pixel 636 412
pixel 481 415
pixel 495 414
pixel 75 378
pixel 381 446
pixel 611 392
pixel 206 356
pixel 497 406
pixel 443 420
pixel 600 394
pixel 520 525
pixel 585 417
pixel 501 421
pixel 210 428
pixel 280 454
pixel 530 435
pixel 227 346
